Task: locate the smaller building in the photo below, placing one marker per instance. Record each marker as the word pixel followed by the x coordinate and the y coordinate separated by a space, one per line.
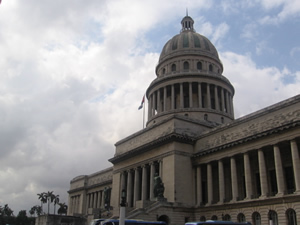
pixel 89 195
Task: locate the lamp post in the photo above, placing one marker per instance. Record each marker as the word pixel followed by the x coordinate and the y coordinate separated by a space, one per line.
pixel 122 207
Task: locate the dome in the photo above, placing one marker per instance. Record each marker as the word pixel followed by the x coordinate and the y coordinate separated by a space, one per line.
pixel 188 42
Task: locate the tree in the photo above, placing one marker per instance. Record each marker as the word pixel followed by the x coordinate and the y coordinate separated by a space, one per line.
pixel 43 199
pixel 56 201
pixel 63 208
pixel 50 198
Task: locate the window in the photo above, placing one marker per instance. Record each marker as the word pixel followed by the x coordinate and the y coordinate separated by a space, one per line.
pixel 214 217
pixel 273 217
pixel 186 66
pixel 202 218
pixel 164 71
pixel 173 68
pixel 241 217
pixel 227 218
pixel 291 217
pixel 205 117
pixel 210 68
pixel 256 218
pixel 199 66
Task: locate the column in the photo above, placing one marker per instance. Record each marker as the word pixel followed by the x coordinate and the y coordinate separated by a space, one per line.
pixel 160 168
pixel 98 200
pixel 296 164
pixel 248 177
pixel 223 100
pixel 234 183
pixel 152 171
pixel 231 105
pixel 190 95
pixel 153 103
pixel 181 95
pixel 279 170
pixel 136 186
pixel 221 182
pixel 165 99
pixel 129 188
pixel 144 183
pixel 208 101
pixel 199 186
pixel 262 173
pixel 209 184
pixel 216 98
pixel 158 101
pixel 123 180
pixel 199 95
pixel 227 103
pixel 102 199
pixel 150 107
pixel 88 201
pixel 172 97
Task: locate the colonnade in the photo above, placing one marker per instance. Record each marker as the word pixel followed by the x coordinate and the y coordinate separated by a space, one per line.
pixel 139 182
pixel 190 95
pixel 95 199
pixel 74 204
pixel 250 175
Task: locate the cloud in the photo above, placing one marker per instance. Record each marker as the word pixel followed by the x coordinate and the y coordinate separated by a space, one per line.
pixel 256 88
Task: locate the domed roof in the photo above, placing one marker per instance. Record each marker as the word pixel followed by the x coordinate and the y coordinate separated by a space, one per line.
pixel 188 42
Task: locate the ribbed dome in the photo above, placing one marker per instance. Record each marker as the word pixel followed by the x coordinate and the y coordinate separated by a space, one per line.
pixel 188 42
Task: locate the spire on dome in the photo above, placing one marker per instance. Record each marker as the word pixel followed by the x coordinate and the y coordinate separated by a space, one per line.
pixel 187 23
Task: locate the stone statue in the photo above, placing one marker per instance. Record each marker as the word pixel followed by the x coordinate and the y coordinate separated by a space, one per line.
pixel 107 195
pixel 159 187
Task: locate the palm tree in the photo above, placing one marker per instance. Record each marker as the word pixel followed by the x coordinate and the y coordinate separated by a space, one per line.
pixel 62 208
pixel 43 198
pixel 56 201
pixel 50 198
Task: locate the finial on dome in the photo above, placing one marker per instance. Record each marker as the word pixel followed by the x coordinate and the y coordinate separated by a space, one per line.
pixel 187 23
pixel 187 12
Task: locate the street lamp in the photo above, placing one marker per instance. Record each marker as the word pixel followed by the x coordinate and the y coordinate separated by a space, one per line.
pixel 122 208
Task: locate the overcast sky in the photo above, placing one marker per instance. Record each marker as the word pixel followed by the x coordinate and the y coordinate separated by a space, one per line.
pixel 73 73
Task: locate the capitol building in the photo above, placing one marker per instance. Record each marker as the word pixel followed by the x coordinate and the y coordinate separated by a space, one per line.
pixel 212 166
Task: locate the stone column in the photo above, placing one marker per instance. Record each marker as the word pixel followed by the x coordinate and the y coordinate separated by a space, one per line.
pixel 221 182
pixel 208 99
pixel 152 171
pixel 209 184
pixel 181 95
pixel 129 188
pixel 217 98
pixel 234 183
pixel 279 170
pixel 248 177
pixel 99 200
pixel 136 186
pixel 223 100
pixel 150 107
pixel 161 168
pixel 153 103
pixel 158 101
pixel 227 103
pixel 172 97
pixel 231 105
pixel 165 100
pixel 88 201
pixel 296 164
pixel 262 173
pixel 190 95
pixel 199 95
pixel 199 186
pixel 144 183
pixel 102 199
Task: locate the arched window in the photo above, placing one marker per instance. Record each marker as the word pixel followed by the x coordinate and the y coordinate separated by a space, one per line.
pixel 222 119
pixel 291 217
pixel 202 218
pixel 256 218
pixel 227 218
pixel 210 68
pixel 173 68
pixel 273 217
pixel 199 66
pixel 214 217
pixel 186 66
pixel 241 217
pixel 164 71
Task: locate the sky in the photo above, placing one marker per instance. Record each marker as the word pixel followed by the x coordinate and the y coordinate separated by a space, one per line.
pixel 73 74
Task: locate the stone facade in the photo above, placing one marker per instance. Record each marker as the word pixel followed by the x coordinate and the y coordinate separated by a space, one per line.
pixel 212 165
